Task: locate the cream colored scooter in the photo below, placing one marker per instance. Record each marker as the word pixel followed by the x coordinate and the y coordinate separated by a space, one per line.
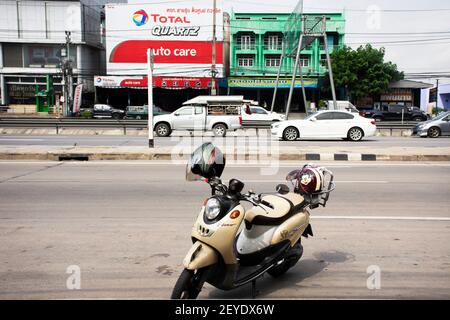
pixel 233 247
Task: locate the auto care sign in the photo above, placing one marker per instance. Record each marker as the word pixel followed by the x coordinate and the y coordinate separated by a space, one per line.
pixel 179 33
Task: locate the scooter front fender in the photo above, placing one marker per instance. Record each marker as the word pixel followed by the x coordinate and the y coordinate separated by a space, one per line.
pixel 199 256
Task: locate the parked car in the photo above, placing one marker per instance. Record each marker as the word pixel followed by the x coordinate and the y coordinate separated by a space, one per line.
pixel 396 113
pixel 216 113
pixel 107 111
pixel 259 115
pixel 439 126
pixel 343 105
pixel 326 124
pixel 141 112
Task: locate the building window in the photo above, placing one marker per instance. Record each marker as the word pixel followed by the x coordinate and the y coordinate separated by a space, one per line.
pixel 323 61
pixel 36 55
pixel 12 55
pixel 273 41
pixel 272 61
pixel 247 61
pixel 46 56
pixel 246 42
pixel 304 62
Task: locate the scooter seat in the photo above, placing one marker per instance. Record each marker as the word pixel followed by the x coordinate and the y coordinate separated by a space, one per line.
pixel 283 207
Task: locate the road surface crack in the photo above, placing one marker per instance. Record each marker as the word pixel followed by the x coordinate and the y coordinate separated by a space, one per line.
pixel 31 172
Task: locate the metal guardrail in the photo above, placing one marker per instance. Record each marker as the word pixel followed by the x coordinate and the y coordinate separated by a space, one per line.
pixel 380 125
pixel 58 124
pixel 137 124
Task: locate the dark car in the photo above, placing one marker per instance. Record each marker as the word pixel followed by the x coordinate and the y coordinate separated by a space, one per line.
pixel 141 112
pixel 107 111
pixel 397 113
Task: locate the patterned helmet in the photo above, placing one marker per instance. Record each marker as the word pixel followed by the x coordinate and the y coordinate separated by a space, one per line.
pixel 308 180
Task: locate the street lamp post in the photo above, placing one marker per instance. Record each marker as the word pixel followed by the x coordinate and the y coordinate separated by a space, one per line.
pixel 151 143
pixel 213 65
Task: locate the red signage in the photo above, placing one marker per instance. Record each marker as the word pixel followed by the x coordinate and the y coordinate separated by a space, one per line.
pixel 173 52
pixel 169 82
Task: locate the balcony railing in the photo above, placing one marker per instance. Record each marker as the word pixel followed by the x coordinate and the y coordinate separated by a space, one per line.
pixel 273 47
pixel 245 46
pixel 266 71
pixel 330 48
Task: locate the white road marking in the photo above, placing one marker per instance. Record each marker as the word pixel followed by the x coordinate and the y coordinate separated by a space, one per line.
pixel 381 218
pixel 20 139
pixel 281 164
pixel 343 181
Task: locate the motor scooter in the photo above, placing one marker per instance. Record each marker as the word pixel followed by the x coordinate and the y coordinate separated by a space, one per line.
pixel 233 246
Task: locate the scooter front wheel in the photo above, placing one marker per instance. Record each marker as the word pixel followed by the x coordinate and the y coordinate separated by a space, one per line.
pixel 188 285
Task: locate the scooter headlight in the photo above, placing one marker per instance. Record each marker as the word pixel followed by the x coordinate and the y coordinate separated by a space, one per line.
pixel 212 208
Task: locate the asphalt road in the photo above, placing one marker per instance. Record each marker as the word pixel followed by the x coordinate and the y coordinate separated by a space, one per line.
pixel 127 226
pixel 105 140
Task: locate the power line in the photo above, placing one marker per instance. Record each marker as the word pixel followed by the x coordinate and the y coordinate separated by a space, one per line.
pixel 305 8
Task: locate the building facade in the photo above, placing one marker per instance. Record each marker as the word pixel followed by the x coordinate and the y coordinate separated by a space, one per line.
pixel 32 36
pixel 256 47
pixel 435 96
pixel 407 93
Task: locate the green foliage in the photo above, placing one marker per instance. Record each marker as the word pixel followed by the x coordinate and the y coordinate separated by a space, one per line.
pixel 363 72
pixel 86 114
pixel 436 111
pixel 322 104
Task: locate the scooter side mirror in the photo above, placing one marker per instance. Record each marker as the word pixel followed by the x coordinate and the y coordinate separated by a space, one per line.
pixel 282 189
pixel 235 186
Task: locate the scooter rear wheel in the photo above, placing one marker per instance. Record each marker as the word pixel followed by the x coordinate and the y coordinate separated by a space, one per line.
pixel 186 286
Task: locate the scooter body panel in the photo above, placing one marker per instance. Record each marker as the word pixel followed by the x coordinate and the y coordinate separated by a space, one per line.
pixel 292 228
pixel 199 256
pixel 255 239
pixel 220 235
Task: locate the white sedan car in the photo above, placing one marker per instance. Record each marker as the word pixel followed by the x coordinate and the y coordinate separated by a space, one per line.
pixel 260 115
pixel 326 124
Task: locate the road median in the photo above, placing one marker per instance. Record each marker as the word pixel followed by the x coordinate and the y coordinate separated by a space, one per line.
pixel 237 155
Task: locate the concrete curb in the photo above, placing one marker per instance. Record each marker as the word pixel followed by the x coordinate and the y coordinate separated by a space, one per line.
pixel 72 155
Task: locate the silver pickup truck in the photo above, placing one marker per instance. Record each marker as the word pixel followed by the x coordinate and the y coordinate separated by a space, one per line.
pixel 205 113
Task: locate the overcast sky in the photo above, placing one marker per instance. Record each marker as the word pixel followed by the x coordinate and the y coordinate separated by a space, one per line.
pixel 415 33
pixel 383 22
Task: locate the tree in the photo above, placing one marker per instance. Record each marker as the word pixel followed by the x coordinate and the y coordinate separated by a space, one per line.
pixel 362 72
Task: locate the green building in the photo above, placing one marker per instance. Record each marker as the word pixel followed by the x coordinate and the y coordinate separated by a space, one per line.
pixel 255 51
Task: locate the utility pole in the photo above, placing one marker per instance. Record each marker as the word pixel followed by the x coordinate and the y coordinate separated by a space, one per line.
pixel 277 81
pixel 151 143
pixel 67 77
pixel 437 96
pixel 296 65
pixel 330 70
pixel 213 65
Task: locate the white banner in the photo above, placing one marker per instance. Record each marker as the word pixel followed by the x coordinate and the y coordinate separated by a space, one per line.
pixel 77 98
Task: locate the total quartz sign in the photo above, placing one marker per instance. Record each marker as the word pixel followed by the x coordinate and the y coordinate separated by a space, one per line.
pixel 178 32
